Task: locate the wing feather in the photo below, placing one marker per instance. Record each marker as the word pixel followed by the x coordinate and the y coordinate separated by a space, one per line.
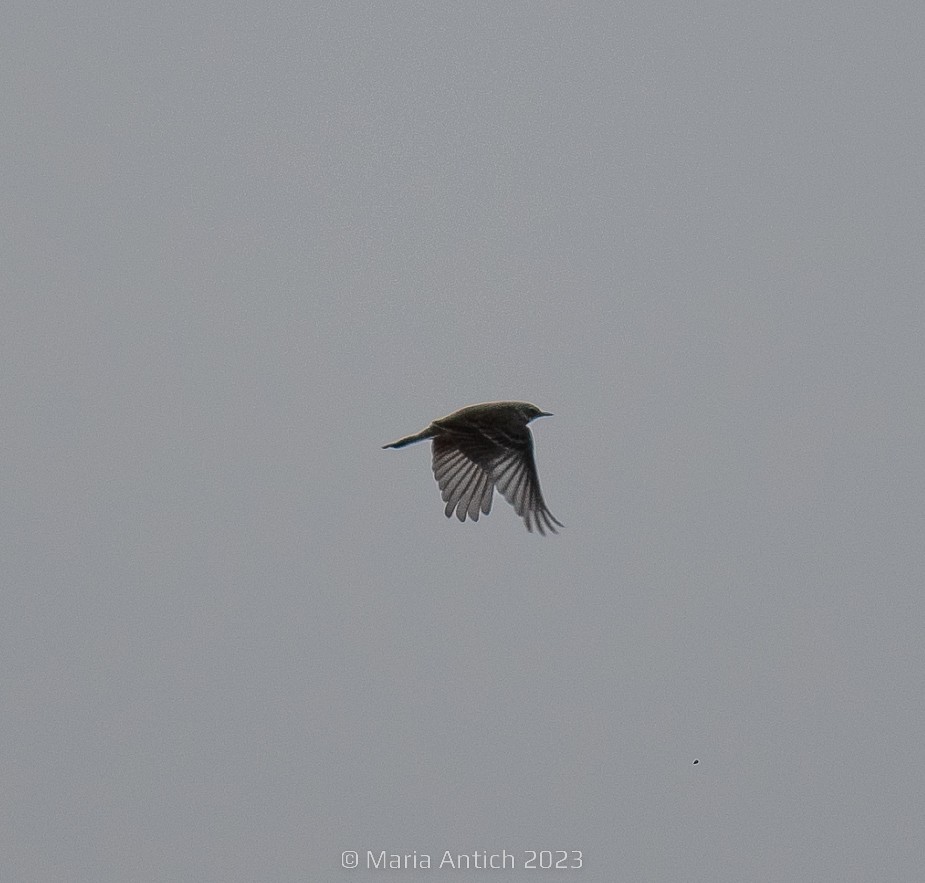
pixel 519 484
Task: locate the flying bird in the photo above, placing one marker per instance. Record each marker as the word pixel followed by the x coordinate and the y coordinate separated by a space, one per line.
pixel 483 447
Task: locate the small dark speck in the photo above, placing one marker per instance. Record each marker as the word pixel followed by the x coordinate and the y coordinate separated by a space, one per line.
pixel 696 761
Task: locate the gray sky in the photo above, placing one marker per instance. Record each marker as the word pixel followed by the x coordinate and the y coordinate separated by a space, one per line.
pixel 245 246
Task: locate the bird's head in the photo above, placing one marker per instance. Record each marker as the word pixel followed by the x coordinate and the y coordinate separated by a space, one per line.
pixel 531 412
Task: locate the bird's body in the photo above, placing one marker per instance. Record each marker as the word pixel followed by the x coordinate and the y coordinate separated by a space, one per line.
pixel 481 447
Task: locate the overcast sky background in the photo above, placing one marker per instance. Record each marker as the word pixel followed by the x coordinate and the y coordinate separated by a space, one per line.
pixel 246 245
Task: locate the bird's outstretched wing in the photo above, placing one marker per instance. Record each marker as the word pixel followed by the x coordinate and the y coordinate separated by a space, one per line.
pixel 517 481
pixel 466 485
pixel 469 462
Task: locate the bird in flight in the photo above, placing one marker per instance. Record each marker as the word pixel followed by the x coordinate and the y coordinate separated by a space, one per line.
pixel 483 447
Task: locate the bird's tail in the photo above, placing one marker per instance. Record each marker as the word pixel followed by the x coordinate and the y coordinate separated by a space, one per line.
pixel 411 439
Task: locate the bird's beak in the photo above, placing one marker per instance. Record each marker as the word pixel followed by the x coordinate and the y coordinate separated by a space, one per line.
pixel 544 414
